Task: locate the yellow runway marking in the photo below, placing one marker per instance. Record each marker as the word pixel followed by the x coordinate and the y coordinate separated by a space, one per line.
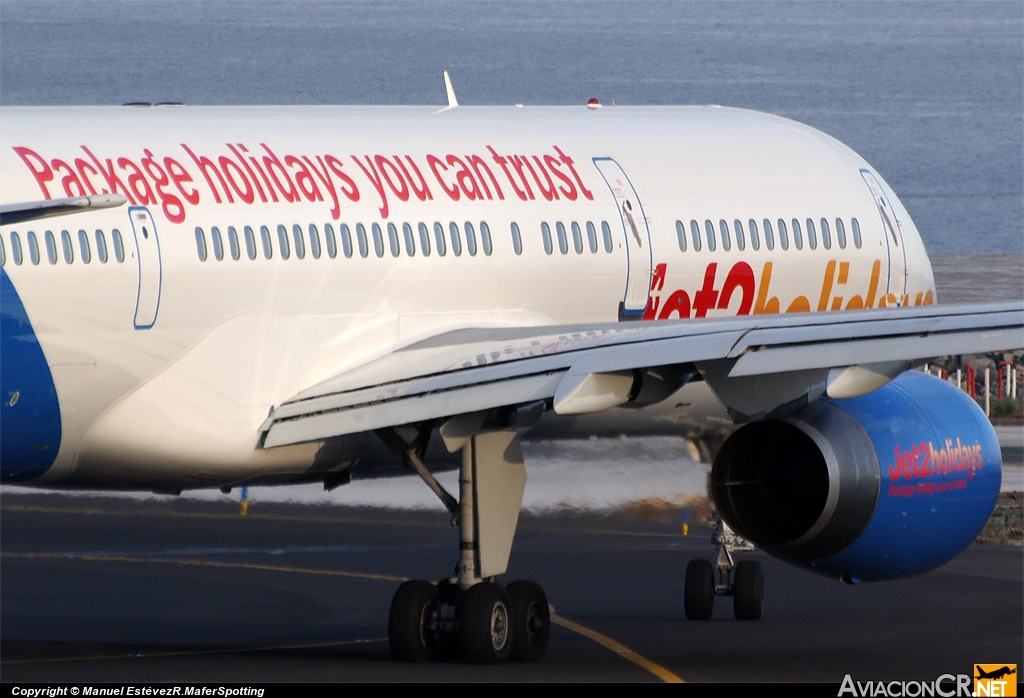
pixel 618 648
pixel 187 653
pixel 206 563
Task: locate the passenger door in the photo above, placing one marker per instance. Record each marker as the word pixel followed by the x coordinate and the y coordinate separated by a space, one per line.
pixel 147 247
pixel 637 235
pixel 898 271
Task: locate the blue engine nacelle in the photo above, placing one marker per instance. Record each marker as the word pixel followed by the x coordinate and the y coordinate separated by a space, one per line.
pixel 887 485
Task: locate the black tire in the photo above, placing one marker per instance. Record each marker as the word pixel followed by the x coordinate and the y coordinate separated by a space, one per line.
pixel 700 590
pixel 485 629
pixel 531 621
pixel 410 625
pixel 747 590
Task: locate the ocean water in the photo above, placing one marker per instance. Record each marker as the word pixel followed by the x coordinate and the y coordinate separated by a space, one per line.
pixel 931 93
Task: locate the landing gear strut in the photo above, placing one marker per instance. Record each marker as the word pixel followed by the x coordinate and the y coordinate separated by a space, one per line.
pixel 744 581
pixel 470 615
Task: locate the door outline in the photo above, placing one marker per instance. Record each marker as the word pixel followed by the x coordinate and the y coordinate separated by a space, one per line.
pixel 150 267
pixel 638 269
pixel 891 228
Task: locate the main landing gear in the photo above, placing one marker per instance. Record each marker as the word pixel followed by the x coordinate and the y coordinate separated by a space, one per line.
pixel 744 581
pixel 470 616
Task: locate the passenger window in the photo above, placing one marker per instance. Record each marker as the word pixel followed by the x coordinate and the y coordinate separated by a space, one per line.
pixel 769 237
pixel 396 248
pixel 218 243
pixel 84 247
pixel 681 236
pixel 410 239
pixel 709 230
pixel 577 237
pixel 250 242
pixel 741 241
pixel 783 235
pixel 314 241
pixel 606 232
pixel 798 238
pixel 470 239
pixel 330 241
pixel 267 242
pixel 201 244
pixel 300 242
pixel 563 241
pixel 33 248
pixel 378 240
pixel 545 232
pixel 755 240
pixel 69 249
pixel 592 237
pixel 233 243
pixel 812 237
pixel 453 230
pixel 51 247
pixel 424 239
pixel 364 246
pixel 723 228
pixel 346 240
pixel 16 249
pixel 855 224
pixel 826 235
pixel 517 240
pixel 442 246
pixel 101 246
pixel 485 238
pixel 282 242
pixel 695 235
pixel 840 233
pixel 115 235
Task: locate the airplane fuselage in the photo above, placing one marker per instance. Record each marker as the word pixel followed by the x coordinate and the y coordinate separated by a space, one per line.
pixel 266 249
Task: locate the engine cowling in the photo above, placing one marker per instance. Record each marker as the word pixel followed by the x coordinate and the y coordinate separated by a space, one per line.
pixel 891 484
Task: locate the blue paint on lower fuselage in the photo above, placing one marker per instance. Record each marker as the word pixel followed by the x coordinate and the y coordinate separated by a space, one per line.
pixel 30 426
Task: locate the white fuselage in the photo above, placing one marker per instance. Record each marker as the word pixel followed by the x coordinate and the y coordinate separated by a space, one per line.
pixel 165 364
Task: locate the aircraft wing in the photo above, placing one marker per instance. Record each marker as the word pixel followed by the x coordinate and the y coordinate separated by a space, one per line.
pixel 34 210
pixel 755 364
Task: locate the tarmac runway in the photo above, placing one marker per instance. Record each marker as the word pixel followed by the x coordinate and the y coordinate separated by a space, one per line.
pixel 107 589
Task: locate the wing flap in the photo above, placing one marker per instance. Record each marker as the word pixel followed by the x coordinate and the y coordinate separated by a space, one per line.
pixel 418 408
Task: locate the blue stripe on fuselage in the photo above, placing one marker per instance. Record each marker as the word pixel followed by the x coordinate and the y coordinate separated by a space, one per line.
pixel 30 427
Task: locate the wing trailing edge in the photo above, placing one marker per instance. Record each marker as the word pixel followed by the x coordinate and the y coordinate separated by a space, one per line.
pixel 779 359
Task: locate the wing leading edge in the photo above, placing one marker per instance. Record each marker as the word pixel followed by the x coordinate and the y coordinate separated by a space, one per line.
pixel 756 365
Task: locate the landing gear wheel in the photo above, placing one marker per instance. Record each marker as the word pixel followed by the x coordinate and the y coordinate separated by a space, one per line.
pixel 700 590
pixel 531 621
pixel 748 590
pixel 411 624
pixel 485 631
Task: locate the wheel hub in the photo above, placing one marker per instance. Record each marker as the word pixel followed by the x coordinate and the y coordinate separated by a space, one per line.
pixel 499 626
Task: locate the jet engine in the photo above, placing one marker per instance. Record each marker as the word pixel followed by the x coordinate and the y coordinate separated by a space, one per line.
pixel 890 484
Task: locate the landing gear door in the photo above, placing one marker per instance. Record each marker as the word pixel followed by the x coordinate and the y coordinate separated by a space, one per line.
pixel 637 235
pixel 897 284
pixel 147 248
